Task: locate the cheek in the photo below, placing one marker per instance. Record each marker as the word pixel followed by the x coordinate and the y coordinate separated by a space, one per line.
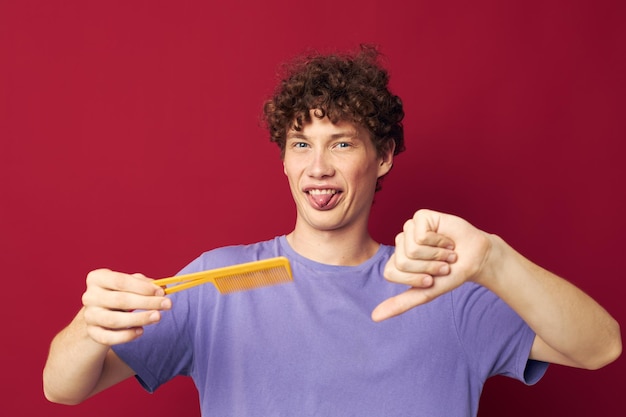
pixel 291 173
pixel 359 182
pixel 365 172
pixel 290 165
pixel 288 168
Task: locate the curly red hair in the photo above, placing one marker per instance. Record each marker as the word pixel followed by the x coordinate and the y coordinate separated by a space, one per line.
pixel 343 87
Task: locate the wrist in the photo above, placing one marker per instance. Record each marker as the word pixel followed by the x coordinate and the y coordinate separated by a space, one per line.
pixel 495 258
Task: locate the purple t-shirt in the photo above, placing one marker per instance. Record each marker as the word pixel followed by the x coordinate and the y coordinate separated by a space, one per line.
pixel 309 348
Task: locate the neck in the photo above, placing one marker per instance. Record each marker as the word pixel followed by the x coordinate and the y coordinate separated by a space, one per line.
pixel 344 247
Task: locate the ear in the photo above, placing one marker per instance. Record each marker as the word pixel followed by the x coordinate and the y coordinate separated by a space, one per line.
pixel 386 158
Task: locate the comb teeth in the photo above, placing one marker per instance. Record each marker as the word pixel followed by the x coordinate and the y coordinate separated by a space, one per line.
pixel 253 279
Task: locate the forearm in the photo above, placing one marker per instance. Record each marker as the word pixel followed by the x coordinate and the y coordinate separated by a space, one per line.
pixel 575 329
pixel 75 364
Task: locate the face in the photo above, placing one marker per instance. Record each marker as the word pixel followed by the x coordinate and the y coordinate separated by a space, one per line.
pixel 332 171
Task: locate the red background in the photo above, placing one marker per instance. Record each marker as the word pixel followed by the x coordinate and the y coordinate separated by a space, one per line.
pixel 130 140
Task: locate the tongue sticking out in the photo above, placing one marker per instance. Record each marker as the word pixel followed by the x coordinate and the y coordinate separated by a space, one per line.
pixel 322 199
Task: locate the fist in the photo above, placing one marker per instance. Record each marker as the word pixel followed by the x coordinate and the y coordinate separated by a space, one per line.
pixel 435 253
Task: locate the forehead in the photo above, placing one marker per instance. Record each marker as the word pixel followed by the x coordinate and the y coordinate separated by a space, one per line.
pixel 325 128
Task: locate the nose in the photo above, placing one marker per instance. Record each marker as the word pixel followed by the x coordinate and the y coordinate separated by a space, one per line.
pixel 320 164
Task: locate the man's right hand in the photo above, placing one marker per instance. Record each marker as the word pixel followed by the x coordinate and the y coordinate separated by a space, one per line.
pixel 118 305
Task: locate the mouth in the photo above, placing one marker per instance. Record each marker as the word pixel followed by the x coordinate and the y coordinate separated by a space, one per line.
pixel 323 198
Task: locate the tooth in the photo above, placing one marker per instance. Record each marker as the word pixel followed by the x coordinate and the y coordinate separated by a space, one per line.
pixel 319 192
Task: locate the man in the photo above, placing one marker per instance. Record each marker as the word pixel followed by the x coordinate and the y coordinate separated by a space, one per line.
pixel 323 345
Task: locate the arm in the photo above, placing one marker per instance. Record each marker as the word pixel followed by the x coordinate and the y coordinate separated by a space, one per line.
pixel 437 253
pixel 80 362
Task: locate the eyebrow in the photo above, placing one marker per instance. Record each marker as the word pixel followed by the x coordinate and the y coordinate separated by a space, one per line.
pixel 345 134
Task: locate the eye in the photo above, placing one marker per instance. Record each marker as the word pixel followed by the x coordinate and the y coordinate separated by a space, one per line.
pixel 297 144
pixel 343 145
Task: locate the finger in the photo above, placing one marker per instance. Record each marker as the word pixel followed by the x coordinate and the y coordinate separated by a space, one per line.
pixel 426 230
pixel 404 302
pixel 425 260
pixel 113 337
pixel 413 280
pixel 425 247
pixel 414 297
pixel 124 301
pixel 117 320
pixel 118 291
pixel 403 264
pixel 414 275
pixel 135 283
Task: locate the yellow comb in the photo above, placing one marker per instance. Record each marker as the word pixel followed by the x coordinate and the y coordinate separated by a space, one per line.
pixel 229 279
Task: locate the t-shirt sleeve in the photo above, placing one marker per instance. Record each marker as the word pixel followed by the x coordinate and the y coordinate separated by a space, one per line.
pixel 495 338
pixel 165 350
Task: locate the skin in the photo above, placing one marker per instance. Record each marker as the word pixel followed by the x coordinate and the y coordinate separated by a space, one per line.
pixel 80 362
pixel 343 158
pixel 437 252
pixel 434 254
